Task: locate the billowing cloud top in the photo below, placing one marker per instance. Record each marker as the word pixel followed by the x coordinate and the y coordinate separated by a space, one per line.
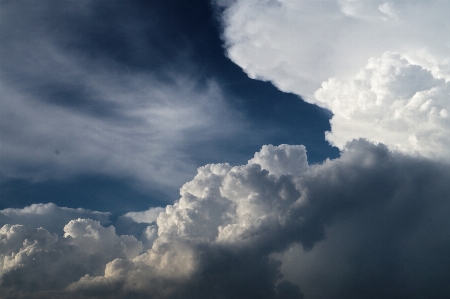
pixel 381 67
pixel 224 236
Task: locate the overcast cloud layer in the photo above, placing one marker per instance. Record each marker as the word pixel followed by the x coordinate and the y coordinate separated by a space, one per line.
pixel 370 224
pixel 381 67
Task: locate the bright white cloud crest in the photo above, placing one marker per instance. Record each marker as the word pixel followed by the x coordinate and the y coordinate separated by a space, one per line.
pixel 391 101
pixel 381 67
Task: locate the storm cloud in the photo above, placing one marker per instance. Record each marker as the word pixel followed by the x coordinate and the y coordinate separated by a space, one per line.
pixel 380 212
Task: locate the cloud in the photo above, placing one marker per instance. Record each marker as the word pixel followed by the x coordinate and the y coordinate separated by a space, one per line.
pixel 67 111
pixel 49 215
pixel 91 237
pixel 391 101
pixel 140 224
pixel 152 121
pixel 299 44
pixel 374 216
pixel 33 259
pixel 148 216
pixel 381 67
pixel 369 224
pixel 282 159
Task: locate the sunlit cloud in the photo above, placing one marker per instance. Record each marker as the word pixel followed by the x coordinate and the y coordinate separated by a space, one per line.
pixel 232 224
pixel 381 67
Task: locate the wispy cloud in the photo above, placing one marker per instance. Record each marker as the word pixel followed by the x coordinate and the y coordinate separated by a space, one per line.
pixel 65 112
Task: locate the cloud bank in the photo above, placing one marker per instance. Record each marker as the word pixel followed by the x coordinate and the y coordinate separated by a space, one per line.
pixel 381 67
pixel 362 225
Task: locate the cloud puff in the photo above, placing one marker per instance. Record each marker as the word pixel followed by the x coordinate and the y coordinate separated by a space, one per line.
pixel 148 216
pixel 282 159
pixel 49 215
pixel 372 215
pixel 315 48
pixel 391 101
pixel 140 224
pixel 33 260
pixel 91 237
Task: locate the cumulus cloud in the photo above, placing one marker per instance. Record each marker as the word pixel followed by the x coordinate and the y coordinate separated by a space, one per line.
pixel 140 224
pixel 34 260
pixel 363 215
pixel 391 101
pixel 49 215
pixel 91 237
pixel 381 67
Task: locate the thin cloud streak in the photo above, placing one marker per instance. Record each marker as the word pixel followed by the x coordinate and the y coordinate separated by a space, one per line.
pixel 65 113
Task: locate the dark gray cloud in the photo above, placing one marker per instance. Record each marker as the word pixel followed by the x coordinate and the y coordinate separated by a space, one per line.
pixel 369 224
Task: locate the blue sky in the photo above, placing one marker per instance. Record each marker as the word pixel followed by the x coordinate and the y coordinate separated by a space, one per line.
pixel 224 149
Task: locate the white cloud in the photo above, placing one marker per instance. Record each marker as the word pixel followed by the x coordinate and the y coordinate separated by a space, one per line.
pixel 299 44
pixel 91 237
pixel 282 159
pixel 148 216
pixel 391 101
pixel 302 45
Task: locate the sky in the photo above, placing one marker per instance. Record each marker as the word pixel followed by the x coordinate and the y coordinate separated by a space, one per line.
pixel 224 149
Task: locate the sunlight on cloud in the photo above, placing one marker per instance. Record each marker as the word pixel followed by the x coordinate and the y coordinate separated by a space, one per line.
pixel 391 101
pixel 397 50
pixel 225 235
